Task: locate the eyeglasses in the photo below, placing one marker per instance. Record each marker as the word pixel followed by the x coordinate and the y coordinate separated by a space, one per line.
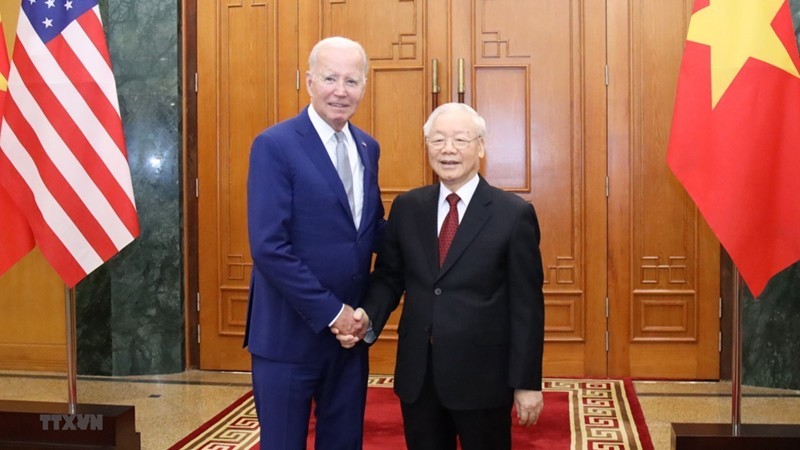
pixel 458 143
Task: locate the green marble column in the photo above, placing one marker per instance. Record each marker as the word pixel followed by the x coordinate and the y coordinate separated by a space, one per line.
pixel 771 333
pixel 130 313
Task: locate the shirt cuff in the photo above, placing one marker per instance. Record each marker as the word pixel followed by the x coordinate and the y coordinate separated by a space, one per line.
pixel 370 337
pixel 337 316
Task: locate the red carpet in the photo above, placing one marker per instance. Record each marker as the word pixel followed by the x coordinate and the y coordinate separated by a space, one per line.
pixel 578 414
pixel 383 426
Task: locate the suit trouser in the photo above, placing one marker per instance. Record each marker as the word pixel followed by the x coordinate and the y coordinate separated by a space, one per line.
pixel 337 384
pixel 429 425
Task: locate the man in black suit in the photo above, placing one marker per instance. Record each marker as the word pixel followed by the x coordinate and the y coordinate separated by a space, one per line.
pixel 472 329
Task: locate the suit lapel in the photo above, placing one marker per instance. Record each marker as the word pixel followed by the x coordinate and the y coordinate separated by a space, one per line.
pixel 363 154
pixel 315 149
pixel 476 216
pixel 426 223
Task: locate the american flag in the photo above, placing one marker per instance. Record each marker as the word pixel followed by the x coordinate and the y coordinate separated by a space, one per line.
pixel 16 237
pixel 62 150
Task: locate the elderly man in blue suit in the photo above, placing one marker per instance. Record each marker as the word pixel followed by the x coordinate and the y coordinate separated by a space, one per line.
pixel 314 216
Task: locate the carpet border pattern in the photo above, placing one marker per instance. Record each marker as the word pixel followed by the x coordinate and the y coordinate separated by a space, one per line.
pixel 604 415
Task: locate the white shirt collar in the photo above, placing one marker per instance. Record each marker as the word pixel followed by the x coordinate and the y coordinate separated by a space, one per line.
pixel 324 130
pixel 465 192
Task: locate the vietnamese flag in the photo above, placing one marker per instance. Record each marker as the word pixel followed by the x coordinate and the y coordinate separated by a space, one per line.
pixel 735 138
pixel 16 237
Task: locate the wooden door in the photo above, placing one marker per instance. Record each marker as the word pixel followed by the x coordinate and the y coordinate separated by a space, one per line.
pixel 241 46
pixel 663 259
pixel 537 71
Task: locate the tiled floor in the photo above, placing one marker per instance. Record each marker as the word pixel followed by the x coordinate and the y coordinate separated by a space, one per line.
pixel 169 406
pixel 664 403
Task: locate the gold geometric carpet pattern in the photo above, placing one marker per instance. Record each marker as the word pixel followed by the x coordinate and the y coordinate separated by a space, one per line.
pixel 600 418
pixel 600 413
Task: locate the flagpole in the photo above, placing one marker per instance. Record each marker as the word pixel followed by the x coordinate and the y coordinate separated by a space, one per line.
pixel 72 354
pixel 736 359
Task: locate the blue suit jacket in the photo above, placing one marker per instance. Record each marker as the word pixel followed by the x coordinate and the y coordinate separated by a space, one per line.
pixel 308 257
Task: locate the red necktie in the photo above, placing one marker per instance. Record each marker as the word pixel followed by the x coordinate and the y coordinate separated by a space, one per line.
pixel 449 226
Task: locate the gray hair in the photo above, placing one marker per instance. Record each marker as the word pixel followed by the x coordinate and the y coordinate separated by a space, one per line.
pixel 480 123
pixel 339 42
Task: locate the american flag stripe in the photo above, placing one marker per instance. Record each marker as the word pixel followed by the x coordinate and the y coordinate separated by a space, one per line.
pixel 16 237
pixel 94 30
pixel 61 141
pixel 55 147
pixel 53 178
pixel 40 105
pixel 67 267
pixel 82 64
pixel 82 36
pixel 92 95
pixel 52 74
pixel 52 214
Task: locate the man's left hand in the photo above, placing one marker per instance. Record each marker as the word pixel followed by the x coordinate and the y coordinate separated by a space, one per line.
pixel 529 405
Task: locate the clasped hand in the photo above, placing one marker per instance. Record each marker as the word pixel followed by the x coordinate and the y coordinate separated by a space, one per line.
pixel 351 326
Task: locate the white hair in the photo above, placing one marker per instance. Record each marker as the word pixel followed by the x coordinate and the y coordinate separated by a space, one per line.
pixel 338 42
pixel 480 123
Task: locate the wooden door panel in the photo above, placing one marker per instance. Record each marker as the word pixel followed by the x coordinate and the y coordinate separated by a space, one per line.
pixel 241 91
pixel 664 295
pixel 525 75
pixel 33 323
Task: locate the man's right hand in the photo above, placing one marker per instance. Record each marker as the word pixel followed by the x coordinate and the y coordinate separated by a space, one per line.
pixel 358 324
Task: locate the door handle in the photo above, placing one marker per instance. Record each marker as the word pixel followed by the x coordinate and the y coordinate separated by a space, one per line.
pixel 460 80
pixel 435 88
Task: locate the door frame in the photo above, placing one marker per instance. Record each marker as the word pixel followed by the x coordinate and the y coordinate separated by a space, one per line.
pixel 191 272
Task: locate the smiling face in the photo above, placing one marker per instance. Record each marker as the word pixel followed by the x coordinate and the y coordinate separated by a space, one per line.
pixel 336 83
pixel 453 166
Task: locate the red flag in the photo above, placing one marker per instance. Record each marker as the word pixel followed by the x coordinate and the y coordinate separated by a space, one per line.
pixel 16 238
pixel 735 139
pixel 62 150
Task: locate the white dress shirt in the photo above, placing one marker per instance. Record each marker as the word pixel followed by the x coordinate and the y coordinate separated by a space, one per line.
pixel 464 193
pixel 328 136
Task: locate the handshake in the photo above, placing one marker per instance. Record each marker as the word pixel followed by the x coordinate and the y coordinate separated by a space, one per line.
pixel 351 326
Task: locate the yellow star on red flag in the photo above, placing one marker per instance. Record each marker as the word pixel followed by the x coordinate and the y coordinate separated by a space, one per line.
pixel 733 142
pixel 737 30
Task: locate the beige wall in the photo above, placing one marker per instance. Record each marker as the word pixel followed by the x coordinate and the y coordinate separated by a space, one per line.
pixel 9 11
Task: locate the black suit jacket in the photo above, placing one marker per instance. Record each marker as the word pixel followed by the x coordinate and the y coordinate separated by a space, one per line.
pixel 483 310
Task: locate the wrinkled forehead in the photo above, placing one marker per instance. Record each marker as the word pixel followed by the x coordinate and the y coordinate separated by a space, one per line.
pixel 338 60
